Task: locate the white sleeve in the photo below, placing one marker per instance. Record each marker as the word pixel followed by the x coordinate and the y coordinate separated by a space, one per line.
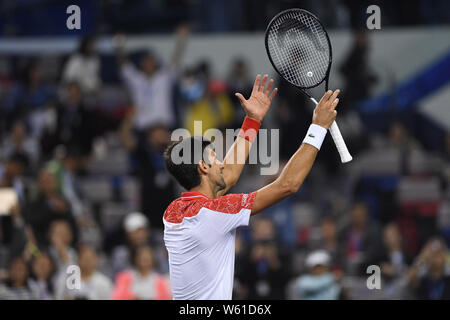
pixel 131 75
pixel 232 211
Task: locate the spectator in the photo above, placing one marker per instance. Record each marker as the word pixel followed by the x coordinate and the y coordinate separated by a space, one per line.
pixel 17 287
pixel 214 111
pixel 12 224
pixel 328 241
pixel 394 264
pixel 30 96
pixel 264 272
pixel 157 188
pixel 76 125
pixel 400 138
pixel 239 80
pixel 93 285
pixel 361 241
pixel 41 283
pixel 46 207
pixel 358 77
pixel 65 171
pixel 20 142
pixel 12 172
pixel 142 282
pixel 60 249
pixel 319 283
pixel 395 261
pixel 83 67
pixel 428 274
pixel 137 233
pixel 151 85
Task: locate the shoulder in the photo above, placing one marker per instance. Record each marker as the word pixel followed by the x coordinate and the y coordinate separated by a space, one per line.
pixel 185 207
pixel 102 279
pixel 181 208
pixel 232 203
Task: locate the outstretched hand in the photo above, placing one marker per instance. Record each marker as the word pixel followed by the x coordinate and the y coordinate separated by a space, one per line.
pixel 259 102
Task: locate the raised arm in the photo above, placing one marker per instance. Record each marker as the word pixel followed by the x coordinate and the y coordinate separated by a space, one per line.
pixel 125 130
pixel 182 34
pixel 255 108
pixel 118 42
pixel 298 167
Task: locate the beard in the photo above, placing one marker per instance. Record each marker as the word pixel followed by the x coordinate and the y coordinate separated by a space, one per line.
pixel 222 184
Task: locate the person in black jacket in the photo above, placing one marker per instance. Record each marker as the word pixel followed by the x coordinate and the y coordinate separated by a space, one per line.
pixel 427 275
pixel 146 151
pixel 76 124
pixel 47 207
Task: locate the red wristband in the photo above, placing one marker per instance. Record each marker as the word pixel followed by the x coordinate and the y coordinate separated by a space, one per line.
pixel 249 129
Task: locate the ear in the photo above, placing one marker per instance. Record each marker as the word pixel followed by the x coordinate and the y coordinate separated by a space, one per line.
pixel 203 167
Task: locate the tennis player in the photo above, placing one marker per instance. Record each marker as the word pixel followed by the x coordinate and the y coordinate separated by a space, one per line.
pixel 200 227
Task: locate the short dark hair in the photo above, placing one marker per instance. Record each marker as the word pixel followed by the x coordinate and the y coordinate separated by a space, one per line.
pixel 187 173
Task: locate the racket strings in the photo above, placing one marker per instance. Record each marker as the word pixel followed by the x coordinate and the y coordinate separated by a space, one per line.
pixel 299 48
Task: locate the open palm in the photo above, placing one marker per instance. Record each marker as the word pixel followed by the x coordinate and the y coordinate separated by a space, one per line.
pixel 259 102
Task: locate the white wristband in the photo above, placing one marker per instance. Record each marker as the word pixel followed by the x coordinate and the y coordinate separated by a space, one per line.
pixel 315 136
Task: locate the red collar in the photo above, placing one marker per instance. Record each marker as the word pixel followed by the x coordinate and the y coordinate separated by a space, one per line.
pixel 193 194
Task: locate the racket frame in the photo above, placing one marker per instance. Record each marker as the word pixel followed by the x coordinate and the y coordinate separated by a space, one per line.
pixel 334 129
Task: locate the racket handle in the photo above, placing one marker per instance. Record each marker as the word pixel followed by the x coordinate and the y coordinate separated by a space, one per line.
pixel 338 140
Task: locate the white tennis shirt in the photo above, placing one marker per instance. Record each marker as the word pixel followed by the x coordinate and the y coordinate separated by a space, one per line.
pixel 199 235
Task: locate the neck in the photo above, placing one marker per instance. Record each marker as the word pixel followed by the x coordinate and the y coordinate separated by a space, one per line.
pixel 144 272
pixel 86 274
pixel 205 189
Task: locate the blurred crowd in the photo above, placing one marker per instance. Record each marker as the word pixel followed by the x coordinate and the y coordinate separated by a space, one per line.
pixel 92 187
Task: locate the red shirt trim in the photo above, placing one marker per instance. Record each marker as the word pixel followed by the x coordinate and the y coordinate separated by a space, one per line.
pixel 191 203
pixel 193 194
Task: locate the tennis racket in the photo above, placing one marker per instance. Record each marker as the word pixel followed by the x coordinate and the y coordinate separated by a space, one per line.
pixel 299 49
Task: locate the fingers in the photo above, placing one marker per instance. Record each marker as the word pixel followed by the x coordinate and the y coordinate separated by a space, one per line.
pixel 334 104
pixel 325 97
pixel 274 93
pixel 334 100
pixel 334 96
pixel 256 84
pixel 240 97
pixel 269 87
pixel 330 99
pixel 260 86
pixel 263 83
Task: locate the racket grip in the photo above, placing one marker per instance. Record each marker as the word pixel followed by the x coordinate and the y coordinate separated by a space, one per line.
pixel 338 140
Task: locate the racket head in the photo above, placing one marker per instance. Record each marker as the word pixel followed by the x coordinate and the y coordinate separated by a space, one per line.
pixel 299 48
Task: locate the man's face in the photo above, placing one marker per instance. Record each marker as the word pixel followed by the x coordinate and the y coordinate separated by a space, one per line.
pixel 148 65
pixel 158 137
pixel 47 182
pixel 87 260
pixel 138 236
pixel 42 267
pixel 215 173
pixel 319 270
pixel 18 271
pixel 359 216
pixel 328 229
pixel 144 259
